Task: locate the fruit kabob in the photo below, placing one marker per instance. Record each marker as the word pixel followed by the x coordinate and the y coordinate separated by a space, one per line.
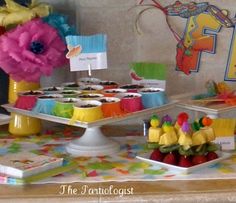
pixel 181 144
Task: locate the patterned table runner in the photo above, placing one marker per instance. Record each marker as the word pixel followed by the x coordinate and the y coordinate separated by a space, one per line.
pixel 122 166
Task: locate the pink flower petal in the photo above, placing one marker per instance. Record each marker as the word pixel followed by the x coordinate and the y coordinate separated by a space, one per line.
pixel 8 43
pixel 31 56
pixel 24 40
pixel 16 58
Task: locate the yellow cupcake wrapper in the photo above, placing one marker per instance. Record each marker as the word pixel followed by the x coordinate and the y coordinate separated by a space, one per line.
pixel 73 120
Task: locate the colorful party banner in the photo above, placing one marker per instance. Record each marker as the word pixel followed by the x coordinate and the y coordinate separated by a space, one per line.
pixel 230 72
pixel 200 36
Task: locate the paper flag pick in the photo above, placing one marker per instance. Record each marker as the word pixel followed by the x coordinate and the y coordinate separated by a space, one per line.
pixel 73 51
pixel 87 52
pixel 148 74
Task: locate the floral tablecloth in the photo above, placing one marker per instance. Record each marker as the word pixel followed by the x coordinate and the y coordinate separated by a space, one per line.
pixel 122 166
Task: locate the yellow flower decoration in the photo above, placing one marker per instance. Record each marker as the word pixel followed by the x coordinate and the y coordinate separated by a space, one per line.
pixel 13 13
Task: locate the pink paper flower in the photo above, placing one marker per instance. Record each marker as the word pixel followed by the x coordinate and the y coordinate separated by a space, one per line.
pixel 31 50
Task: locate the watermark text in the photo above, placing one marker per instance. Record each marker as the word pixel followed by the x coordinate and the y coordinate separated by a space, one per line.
pixel 88 190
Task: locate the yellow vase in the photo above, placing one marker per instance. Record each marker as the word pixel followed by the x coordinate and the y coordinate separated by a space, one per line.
pixel 15 87
pixel 21 125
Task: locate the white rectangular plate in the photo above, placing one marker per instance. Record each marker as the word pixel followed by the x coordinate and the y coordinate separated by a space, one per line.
pixel 222 156
pixel 163 108
pixel 4 119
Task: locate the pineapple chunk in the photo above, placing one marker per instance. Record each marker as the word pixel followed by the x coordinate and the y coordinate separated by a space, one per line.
pixel 168 138
pixel 154 134
pixel 210 135
pixel 199 138
pixel 185 139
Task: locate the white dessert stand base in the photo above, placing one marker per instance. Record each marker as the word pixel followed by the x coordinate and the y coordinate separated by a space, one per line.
pixel 92 143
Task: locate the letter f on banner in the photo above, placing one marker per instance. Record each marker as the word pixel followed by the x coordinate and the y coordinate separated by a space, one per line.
pixel 230 73
pixel 199 36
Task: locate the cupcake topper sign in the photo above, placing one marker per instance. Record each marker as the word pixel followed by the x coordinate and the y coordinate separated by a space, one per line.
pixel 87 52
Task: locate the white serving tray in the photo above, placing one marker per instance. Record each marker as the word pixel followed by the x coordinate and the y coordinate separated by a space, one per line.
pixel 213 109
pixel 184 170
pixel 92 142
pixel 4 119
pixel 101 122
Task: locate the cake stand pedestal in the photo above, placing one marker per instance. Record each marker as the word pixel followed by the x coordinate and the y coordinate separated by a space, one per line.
pixel 4 119
pixel 92 143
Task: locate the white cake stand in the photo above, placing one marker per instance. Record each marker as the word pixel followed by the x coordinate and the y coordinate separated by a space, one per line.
pixel 4 119
pixel 92 142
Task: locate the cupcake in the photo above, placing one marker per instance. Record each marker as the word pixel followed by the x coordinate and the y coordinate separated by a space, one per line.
pixel 70 86
pixel 91 96
pixel 112 92
pixel 51 90
pixel 31 93
pixel 153 97
pixel 108 84
pixel 91 88
pixel 111 106
pixel 89 81
pixel 64 107
pixel 70 93
pixel 130 102
pixel 87 111
pixel 27 99
pixel 46 103
pixel 131 87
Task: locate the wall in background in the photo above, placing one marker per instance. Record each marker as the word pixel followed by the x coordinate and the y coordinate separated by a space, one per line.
pixel 155 44
pixel 117 18
pixel 63 74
